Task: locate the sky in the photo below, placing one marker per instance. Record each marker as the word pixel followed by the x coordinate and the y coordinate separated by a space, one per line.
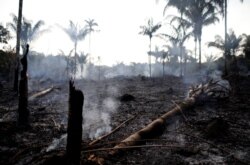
pixel 119 20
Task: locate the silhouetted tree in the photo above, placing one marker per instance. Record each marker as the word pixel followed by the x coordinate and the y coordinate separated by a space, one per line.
pixel 223 5
pixel 177 39
pixel 70 67
pixel 197 14
pixel 91 24
pixel 29 32
pixel 75 34
pixel 232 44
pixel 149 30
pixel 4 34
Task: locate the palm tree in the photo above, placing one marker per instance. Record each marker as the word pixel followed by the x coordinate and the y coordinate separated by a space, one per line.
pixel 82 59
pixel 75 34
pixel 201 13
pixel 68 60
pixel 28 31
pixel 90 27
pixel 149 31
pixel 232 44
pixel 195 14
pixel 223 7
pixel 177 39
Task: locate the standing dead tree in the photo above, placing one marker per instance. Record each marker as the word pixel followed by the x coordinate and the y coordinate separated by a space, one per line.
pixel 74 139
pixel 23 112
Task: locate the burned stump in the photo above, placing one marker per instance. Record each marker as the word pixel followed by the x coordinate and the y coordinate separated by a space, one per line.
pixel 23 112
pixel 74 139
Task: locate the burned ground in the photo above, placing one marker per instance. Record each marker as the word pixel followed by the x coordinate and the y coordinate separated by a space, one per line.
pixel 212 133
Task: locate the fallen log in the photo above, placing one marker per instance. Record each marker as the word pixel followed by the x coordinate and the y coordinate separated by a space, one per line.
pixel 41 93
pixel 197 95
pixel 155 128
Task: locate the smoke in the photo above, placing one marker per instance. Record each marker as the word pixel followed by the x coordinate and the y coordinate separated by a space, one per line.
pixel 98 110
pixel 57 142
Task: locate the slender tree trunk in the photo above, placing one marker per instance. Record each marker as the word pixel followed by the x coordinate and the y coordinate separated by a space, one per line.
pixel 163 67
pixel 199 53
pixel 75 67
pixel 185 64
pixel 19 25
pixel 195 49
pixel 181 63
pixel 149 57
pixel 225 51
pixel 23 112
pixel 90 58
pixel 74 130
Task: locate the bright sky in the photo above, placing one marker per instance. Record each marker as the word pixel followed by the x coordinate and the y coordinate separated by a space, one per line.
pixel 119 21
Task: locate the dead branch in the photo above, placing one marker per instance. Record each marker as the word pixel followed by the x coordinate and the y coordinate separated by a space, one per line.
pixel 133 147
pixel 41 93
pixel 113 131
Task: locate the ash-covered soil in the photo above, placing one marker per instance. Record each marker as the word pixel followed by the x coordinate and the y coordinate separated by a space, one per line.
pixel 212 133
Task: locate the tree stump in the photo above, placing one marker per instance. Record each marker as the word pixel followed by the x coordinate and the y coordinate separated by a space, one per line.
pixel 74 139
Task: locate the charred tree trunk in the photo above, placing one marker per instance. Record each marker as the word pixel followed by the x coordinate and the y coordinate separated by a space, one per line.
pixel 19 25
pixel 23 112
pixel 73 148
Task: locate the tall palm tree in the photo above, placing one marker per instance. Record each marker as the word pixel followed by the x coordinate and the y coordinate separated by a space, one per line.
pixel 232 44
pixel 223 4
pixel 149 31
pixel 28 32
pixel 198 14
pixel 75 34
pixel 90 26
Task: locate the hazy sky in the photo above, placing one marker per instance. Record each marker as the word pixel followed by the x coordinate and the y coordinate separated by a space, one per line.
pixel 119 21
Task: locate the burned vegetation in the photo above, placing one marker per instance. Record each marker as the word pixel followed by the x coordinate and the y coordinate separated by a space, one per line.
pixel 126 121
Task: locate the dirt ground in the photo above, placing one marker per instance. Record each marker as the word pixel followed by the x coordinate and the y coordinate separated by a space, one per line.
pixel 212 133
